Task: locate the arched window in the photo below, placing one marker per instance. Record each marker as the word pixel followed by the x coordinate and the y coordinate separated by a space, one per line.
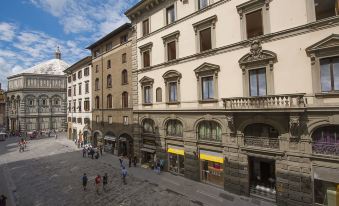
pixel 124 77
pixel 97 102
pixel 109 81
pixel 158 94
pixel 174 128
pixel 96 84
pixel 148 126
pixel 124 100
pixel 326 140
pixel 109 101
pixel 209 130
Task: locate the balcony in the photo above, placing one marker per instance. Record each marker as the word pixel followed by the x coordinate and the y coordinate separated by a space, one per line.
pixel 265 102
pixel 325 148
pixel 265 142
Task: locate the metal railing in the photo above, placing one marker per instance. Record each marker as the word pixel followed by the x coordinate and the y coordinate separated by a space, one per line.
pixel 325 148
pixel 272 143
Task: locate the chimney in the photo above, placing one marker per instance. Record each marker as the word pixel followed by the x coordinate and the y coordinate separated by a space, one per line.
pixel 57 53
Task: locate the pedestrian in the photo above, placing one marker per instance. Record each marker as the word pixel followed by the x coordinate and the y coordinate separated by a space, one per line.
pixel 124 174
pixel 84 152
pixel 162 164
pixel 97 183
pixel 3 199
pixel 121 161
pixel 129 160
pixel 92 152
pixel 135 161
pixel 104 181
pixel 158 166
pixel 97 155
pixel 84 181
pixel 100 150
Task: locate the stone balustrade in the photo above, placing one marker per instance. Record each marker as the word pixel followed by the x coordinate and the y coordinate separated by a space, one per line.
pixel 265 102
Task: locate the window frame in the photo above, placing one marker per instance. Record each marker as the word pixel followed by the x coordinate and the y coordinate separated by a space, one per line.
pixel 331 63
pixel 124 58
pixel 109 81
pixel 172 37
pixel 109 101
pixel 209 22
pixel 125 100
pixel 166 14
pixel 109 64
pixel 209 2
pixel 110 120
pixel 146 82
pixel 170 77
pixel 144 33
pixel 96 84
pixel 249 7
pixel 124 77
pixel 97 102
pixel 203 71
pixel 144 48
pixel 158 97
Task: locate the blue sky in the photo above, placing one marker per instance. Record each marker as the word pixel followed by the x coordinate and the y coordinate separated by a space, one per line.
pixel 30 30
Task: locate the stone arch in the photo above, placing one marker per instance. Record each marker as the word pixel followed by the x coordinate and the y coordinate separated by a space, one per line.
pixel 208 118
pixel 97 135
pixel 174 130
pixel 125 144
pixel 316 125
pixel 173 117
pixel 262 120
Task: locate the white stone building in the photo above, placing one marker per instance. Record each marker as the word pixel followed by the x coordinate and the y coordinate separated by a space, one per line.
pixel 242 94
pixel 79 91
pixel 36 97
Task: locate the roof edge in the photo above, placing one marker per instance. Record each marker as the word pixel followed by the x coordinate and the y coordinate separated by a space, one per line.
pixel 82 62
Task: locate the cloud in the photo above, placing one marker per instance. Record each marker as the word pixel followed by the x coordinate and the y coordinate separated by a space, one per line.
pixel 6 31
pixel 30 47
pixel 99 16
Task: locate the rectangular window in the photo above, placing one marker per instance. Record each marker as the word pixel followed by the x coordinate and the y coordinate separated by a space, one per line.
pixel 86 71
pixel 329 74
pixel 108 64
pixel 145 27
pixel 146 58
pixel 69 106
pixel 172 92
pixel 207 88
pixel 205 39
pixel 202 4
pixel 326 8
pixel 254 24
pixel 86 105
pixel 171 51
pixel 123 39
pixel 74 105
pixel 109 46
pixel 74 91
pixel 74 120
pixel 80 89
pixel 97 119
pixel 257 82
pixel 125 120
pixel 69 79
pixel 79 120
pixel 79 74
pixel 69 92
pixel 86 87
pixel 170 15
pixel 147 95
pixel 123 58
pixel 96 68
pixel 74 77
pixel 79 107
pixel 110 120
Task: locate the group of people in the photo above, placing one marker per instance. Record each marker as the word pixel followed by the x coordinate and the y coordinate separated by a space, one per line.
pixel 22 145
pixel 97 182
pixel 158 164
pixel 89 151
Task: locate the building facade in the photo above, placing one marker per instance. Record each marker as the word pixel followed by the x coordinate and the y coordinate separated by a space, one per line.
pixel 2 109
pixel 232 94
pixel 111 91
pixel 36 98
pixel 79 100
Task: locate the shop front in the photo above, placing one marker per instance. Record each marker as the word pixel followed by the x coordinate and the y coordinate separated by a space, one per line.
pixel 147 156
pixel 326 186
pixel 109 144
pixel 176 159
pixel 211 166
pixel 262 178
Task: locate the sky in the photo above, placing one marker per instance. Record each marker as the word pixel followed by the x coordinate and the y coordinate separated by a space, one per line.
pixel 31 30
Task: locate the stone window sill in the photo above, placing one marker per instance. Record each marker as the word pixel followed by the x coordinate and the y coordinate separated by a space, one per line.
pixel 173 103
pixel 202 101
pixel 147 104
pixel 327 94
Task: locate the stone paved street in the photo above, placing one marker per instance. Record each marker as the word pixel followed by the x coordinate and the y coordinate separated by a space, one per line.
pixel 50 171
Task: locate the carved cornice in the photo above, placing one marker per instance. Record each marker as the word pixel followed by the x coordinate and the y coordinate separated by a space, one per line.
pixel 146 46
pixel 210 20
pixel 327 45
pixel 146 81
pixel 174 35
pixel 172 74
pixel 252 4
pixel 207 67
pixel 257 56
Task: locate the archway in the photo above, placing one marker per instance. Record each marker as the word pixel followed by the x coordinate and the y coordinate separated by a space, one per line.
pixel 125 145
pixel 326 140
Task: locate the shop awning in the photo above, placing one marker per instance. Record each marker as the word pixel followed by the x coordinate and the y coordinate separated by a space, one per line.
pixel 147 150
pixel 175 150
pixel 326 174
pixel 211 156
pixel 110 138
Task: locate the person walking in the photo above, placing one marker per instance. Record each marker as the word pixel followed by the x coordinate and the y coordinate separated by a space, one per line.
pixel 100 148
pixel 135 161
pixel 84 181
pixel 121 161
pixel 123 175
pixel 84 152
pixel 97 183
pixel 158 166
pixel 104 181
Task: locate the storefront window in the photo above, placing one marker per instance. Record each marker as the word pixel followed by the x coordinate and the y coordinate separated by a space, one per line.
pixel 176 163
pixel 209 130
pixel 212 172
pixel 324 192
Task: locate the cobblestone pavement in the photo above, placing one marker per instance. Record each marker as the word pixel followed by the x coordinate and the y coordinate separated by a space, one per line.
pixel 49 173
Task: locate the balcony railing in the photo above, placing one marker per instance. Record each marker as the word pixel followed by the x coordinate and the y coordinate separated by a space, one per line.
pixel 265 102
pixel 326 148
pixel 272 143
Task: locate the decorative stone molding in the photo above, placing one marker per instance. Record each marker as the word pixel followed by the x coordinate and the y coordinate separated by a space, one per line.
pixel 172 36
pixel 172 75
pixel 252 4
pixel 325 47
pixel 207 68
pixel 209 21
pixel 257 56
pixel 145 47
pixel 230 122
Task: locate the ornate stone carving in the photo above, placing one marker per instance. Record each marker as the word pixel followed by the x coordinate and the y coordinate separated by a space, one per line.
pixel 230 122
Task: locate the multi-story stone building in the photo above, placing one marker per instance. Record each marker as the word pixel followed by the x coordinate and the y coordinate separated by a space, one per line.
pixel 36 98
pixel 111 90
pixel 241 94
pixel 2 109
pixel 79 99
